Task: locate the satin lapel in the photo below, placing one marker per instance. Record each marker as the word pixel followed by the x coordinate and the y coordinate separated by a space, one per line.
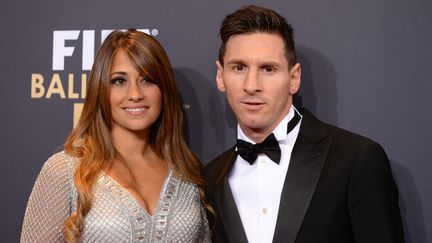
pixel 307 161
pixel 227 208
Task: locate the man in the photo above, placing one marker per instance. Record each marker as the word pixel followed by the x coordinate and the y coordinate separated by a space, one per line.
pixel 302 180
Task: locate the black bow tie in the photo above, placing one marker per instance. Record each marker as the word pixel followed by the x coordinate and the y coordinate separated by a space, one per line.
pixel 249 152
pixel 269 147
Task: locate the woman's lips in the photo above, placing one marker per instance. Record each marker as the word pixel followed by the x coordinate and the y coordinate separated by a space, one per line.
pixel 135 110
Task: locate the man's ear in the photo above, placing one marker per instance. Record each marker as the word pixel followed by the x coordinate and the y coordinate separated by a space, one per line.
pixel 219 77
pixel 295 75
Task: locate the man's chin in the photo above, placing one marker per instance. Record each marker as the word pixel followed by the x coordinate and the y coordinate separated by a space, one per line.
pixel 253 125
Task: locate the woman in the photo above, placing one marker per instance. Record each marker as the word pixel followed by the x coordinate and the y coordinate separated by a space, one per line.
pixel 126 173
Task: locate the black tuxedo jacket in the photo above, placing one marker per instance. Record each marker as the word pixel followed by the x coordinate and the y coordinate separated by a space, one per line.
pixel 339 188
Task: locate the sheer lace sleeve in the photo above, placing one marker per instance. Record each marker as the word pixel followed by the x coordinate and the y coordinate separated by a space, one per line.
pixel 205 235
pixel 49 204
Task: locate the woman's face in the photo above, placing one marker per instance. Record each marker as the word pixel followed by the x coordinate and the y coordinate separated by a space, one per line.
pixel 135 101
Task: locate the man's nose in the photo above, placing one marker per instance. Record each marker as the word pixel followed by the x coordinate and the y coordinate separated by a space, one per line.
pixel 251 83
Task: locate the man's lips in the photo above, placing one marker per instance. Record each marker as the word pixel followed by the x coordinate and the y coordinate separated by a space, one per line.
pixel 252 101
pixel 252 104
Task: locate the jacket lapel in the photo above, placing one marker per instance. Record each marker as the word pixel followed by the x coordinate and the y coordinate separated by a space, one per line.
pixel 228 213
pixel 307 161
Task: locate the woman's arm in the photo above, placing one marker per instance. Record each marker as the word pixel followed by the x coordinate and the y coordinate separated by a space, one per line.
pixel 49 204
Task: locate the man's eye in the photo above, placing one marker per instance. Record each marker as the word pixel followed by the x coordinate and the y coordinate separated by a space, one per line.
pixel 239 68
pixel 268 69
pixel 118 81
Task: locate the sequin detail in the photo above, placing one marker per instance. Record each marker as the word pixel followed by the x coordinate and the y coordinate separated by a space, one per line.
pixel 116 216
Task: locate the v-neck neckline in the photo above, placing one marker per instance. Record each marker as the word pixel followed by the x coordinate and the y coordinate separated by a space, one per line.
pixel 135 200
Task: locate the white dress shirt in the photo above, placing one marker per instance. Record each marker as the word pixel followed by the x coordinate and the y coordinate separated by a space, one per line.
pixel 257 188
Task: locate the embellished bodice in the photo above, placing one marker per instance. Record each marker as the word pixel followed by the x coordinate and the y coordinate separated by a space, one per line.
pixel 115 216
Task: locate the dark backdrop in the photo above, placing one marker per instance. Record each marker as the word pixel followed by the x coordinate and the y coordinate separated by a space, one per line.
pixel 366 68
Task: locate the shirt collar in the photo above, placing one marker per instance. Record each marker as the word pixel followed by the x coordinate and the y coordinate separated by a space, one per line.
pixel 280 131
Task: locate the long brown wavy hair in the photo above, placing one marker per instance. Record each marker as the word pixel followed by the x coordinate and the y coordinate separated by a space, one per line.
pixel 91 139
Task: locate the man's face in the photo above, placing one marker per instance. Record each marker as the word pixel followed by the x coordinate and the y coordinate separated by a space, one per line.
pixel 257 81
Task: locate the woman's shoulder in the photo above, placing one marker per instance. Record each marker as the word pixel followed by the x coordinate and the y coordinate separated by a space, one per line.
pixel 185 187
pixel 60 163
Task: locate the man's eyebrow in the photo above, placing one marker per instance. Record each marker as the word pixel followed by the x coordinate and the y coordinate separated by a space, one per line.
pixel 270 64
pixel 236 61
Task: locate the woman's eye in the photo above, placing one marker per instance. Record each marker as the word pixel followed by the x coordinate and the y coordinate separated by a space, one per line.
pixel 146 80
pixel 118 81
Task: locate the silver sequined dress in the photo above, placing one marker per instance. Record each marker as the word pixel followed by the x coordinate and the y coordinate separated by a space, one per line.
pixel 115 215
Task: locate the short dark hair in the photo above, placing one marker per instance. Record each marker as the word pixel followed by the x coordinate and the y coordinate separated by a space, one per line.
pixel 250 19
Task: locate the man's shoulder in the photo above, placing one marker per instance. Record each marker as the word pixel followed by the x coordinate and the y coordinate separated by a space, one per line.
pixel 333 132
pixel 221 158
pixel 346 135
pixel 218 165
pixel 350 149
